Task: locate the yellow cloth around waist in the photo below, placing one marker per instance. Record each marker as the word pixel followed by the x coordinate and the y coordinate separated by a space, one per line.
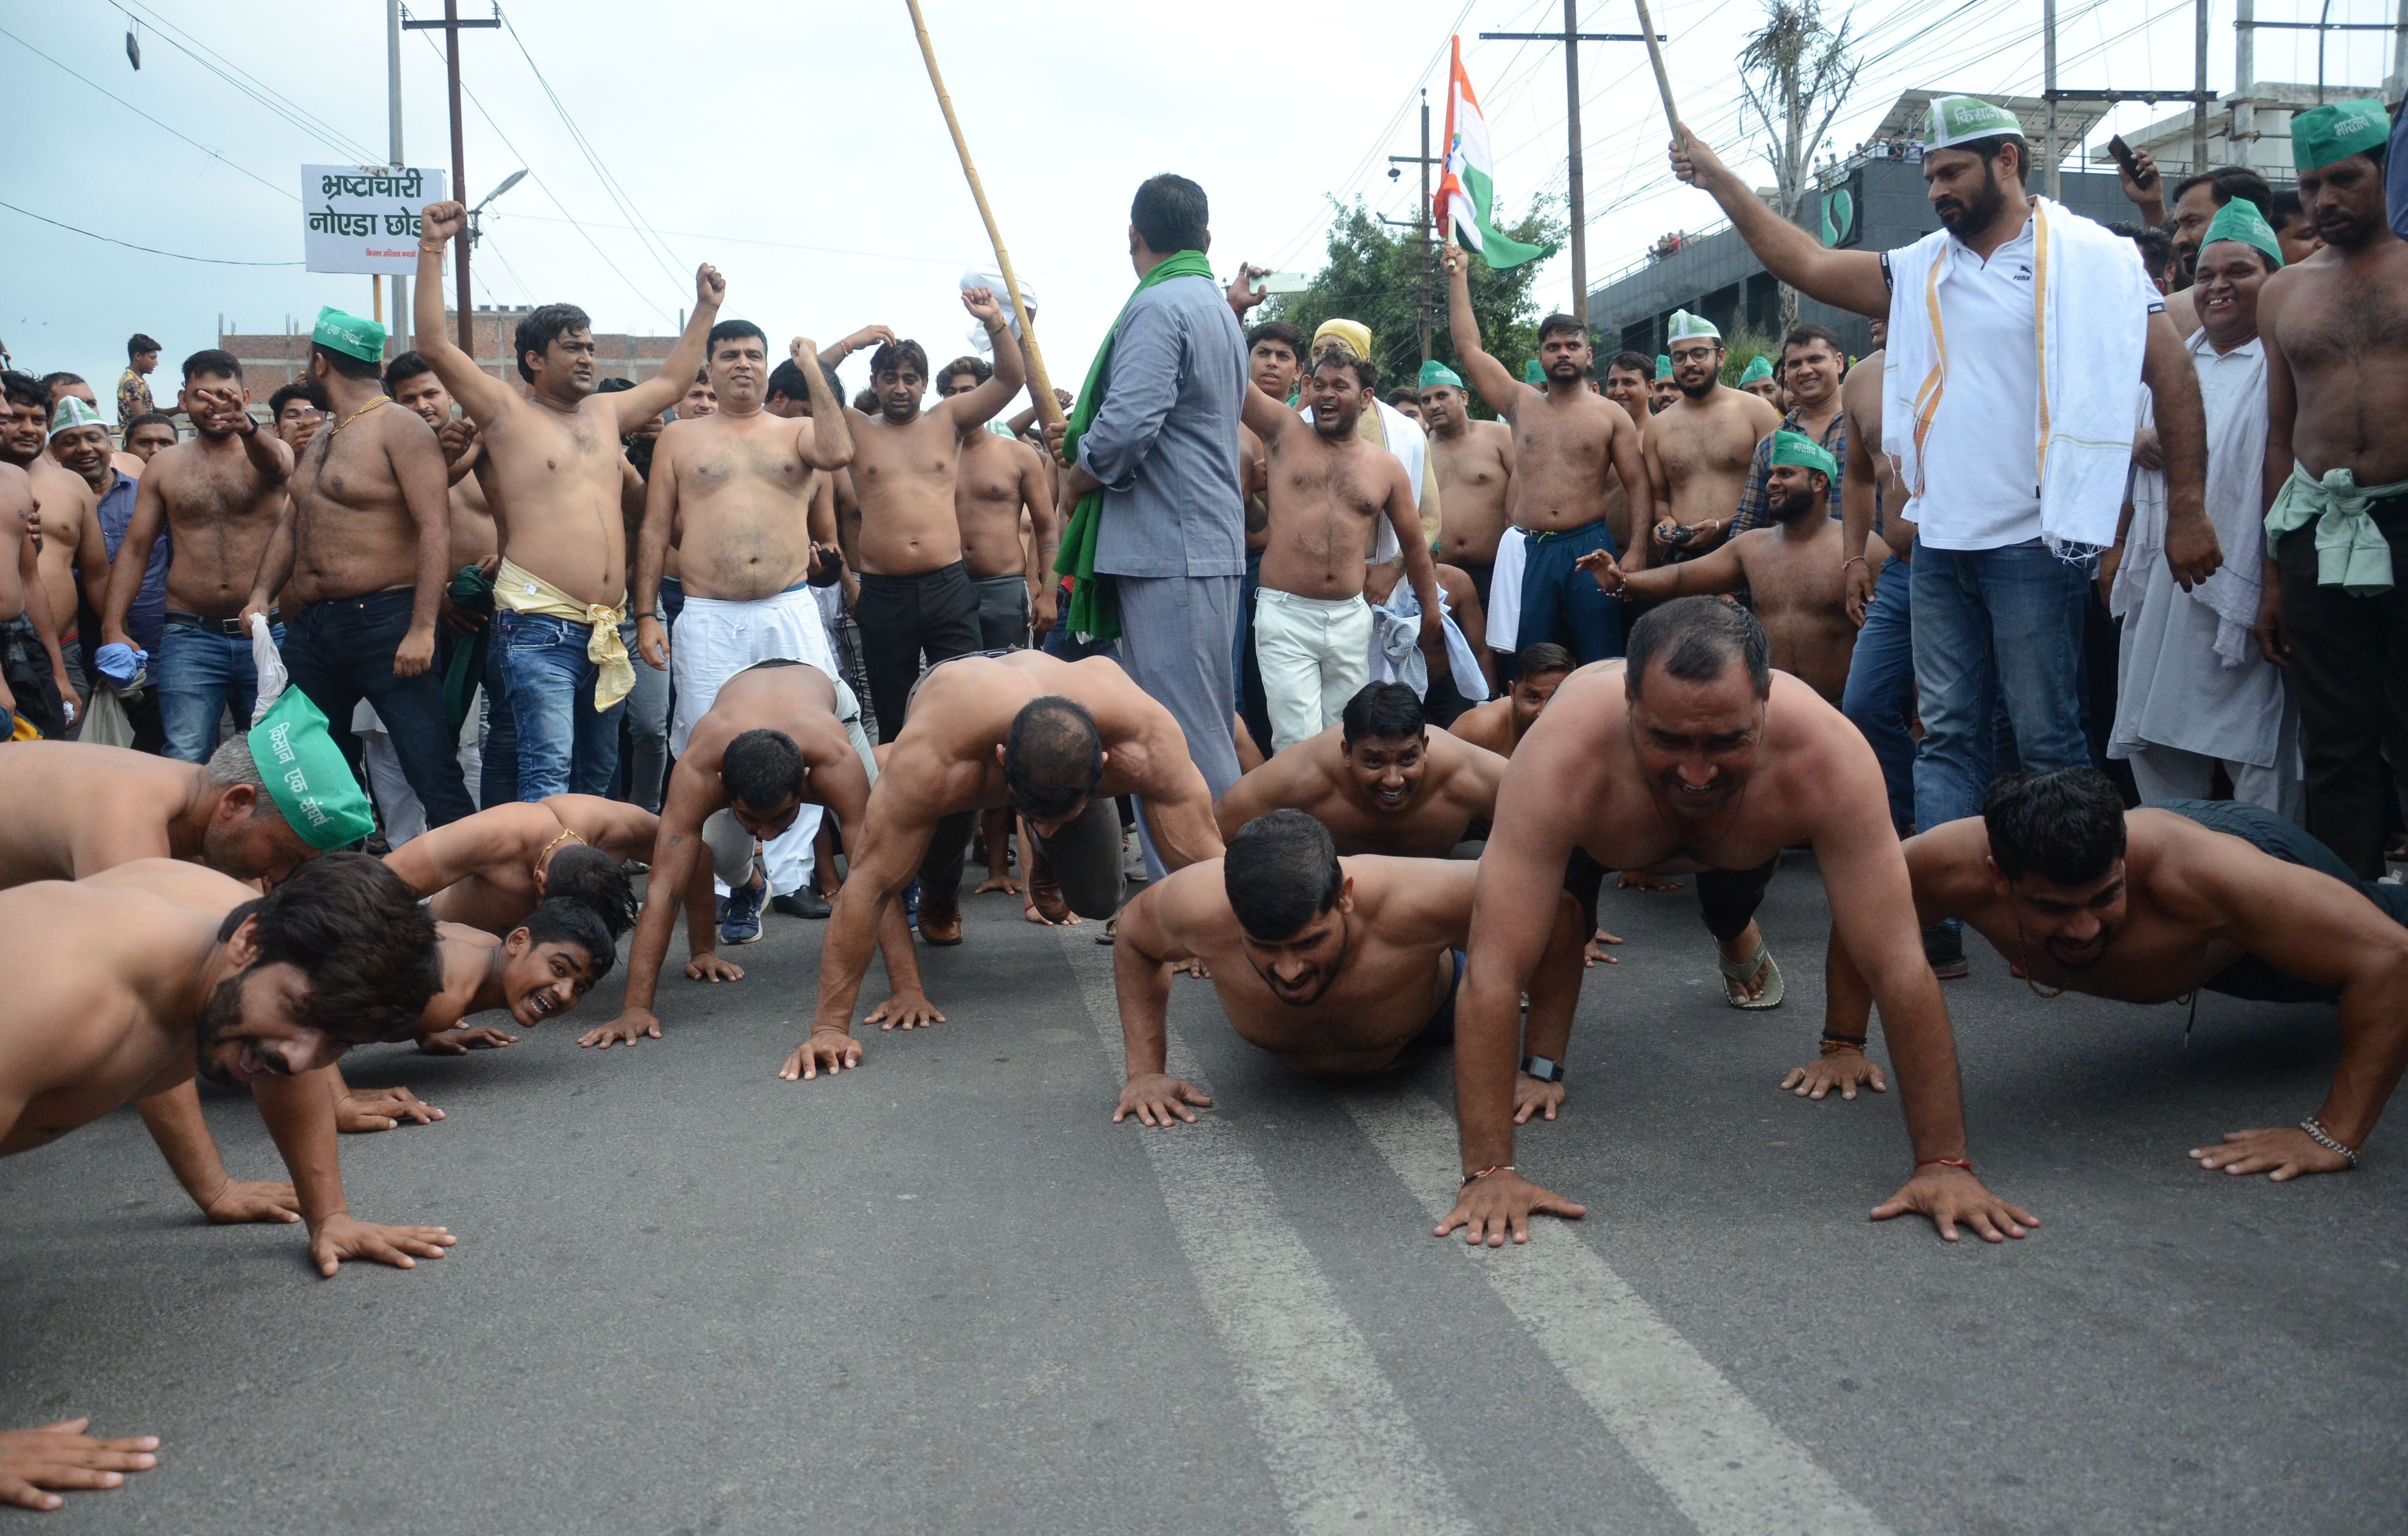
pixel 521 591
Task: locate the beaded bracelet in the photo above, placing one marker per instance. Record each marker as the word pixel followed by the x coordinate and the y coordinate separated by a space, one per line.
pixel 2325 1138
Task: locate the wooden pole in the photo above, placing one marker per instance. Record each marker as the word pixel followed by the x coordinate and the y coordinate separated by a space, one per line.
pixel 1655 57
pixel 1040 388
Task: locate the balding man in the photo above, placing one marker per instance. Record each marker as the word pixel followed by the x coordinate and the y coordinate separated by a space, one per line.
pixel 1055 742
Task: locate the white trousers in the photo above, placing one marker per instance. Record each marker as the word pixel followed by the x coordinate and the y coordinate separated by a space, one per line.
pixel 713 640
pixel 2169 773
pixel 1315 653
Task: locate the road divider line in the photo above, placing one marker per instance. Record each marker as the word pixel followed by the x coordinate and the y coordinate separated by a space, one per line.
pixel 1343 1454
pixel 1723 1463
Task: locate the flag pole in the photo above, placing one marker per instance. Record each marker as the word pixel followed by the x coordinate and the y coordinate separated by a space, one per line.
pixel 1040 388
pixel 1663 81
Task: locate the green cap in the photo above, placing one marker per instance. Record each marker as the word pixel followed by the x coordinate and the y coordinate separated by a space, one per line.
pixel 349 335
pixel 306 774
pixel 2240 220
pixel 1960 119
pixel 1663 366
pixel 2336 131
pixel 1436 372
pixel 1532 373
pixel 72 413
pixel 1759 369
pixel 1687 327
pixel 1804 452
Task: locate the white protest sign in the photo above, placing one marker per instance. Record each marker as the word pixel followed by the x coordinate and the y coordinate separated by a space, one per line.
pixel 365 217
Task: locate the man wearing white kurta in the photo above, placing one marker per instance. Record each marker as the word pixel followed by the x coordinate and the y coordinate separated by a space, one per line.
pixel 2195 691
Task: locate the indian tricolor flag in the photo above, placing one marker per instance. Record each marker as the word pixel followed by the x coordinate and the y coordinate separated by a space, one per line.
pixel 1466 198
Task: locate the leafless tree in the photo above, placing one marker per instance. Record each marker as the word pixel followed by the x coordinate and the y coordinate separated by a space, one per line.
pixel 1797 73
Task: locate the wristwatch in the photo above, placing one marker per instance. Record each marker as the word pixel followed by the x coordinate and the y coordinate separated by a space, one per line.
pixel 1543 1070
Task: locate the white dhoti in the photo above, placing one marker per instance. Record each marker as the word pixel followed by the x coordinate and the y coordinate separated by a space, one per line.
pixel 1505 592
pixel 715 639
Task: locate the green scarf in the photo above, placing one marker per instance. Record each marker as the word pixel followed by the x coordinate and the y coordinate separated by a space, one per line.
pixel 1095 614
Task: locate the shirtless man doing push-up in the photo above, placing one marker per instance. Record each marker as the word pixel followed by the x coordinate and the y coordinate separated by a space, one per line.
pixel 1378 780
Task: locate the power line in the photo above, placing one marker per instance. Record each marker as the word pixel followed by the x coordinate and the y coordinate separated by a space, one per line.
pixel 213 154
pixel 213 261
pixel 653 245
pixel 250 85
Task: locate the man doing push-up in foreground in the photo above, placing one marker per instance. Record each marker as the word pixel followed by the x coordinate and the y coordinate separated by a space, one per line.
pixel 1338 967
pixel 2146 906
pixel 1695 755
pixel 1378 780
pixel 179 969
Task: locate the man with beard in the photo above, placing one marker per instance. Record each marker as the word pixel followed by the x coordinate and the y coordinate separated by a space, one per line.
pixel 1812 361
pixel 1474 462
pixel 1566 443
pixel 1790 568
pixel 780 735
pixel 733 490
pixel 182 971
pixel 2048 319
pixel 363 553
pixel 1378 780
pixel 556 473
pixel 2336 482
pixel 1056 741
pixel 1339 967
pixel 149 433
pixel 916 598
pixel 218 498
pixel 1664 389
pixel 1313 629
pixel 1760 380
pixel 1699 449
pixel 1693 755
pixel 2194 692
pixel 2150 906
pixel 1501 723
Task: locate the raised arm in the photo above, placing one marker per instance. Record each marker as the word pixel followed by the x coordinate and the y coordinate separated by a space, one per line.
pixel 835 353
pixel 978 406
pixel 1499 388
pixel 632 407
pixel 1845 279
pixel 829 442
pixel 2191 548
pixel 484 397
pixel 1143 952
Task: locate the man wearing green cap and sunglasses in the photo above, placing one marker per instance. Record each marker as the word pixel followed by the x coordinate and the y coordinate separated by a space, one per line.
pixel 2336 480
pixel 362 559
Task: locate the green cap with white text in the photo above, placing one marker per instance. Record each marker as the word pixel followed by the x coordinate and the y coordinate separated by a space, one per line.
pixel 1961 119
pixel 349 335
pixel 2336 131
pixel 306 774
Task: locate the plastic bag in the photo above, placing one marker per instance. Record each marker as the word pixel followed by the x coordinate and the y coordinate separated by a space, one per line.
pixel 270 666
pixel 103 721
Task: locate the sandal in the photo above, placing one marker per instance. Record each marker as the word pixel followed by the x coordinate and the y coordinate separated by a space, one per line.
pixel 1745 971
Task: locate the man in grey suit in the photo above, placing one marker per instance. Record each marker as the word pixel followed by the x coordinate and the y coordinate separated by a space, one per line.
pixel 1163 448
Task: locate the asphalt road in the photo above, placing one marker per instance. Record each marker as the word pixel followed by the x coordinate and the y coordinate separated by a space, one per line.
pixel 945 1294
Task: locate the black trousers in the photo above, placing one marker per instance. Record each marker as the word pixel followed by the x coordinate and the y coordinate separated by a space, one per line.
pixel 1726 898
pixel 903 618
pixel 1084 855
pixel 2349 673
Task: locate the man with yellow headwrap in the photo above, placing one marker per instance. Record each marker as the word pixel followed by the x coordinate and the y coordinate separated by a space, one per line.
pixel 2336 480
pixel 1389 428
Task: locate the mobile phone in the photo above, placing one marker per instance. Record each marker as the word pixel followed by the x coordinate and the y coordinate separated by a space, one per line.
pixel 2123 153
pixel 1284 282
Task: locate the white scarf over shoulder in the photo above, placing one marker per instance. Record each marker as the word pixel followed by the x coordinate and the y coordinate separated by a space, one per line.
pixel 2090 299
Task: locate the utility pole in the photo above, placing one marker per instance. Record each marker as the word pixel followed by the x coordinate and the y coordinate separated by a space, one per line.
pixel 450 26
pixel 2055 148
pixel 2198 101
pixel 1571 37
pixel 1421 224
pixel 2243 131
pixel 401 321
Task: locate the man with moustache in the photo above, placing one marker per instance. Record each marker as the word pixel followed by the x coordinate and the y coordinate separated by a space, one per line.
pixel 1378 780
pixel 1700 447
pixel 1474 462
pixel 1501 723
pixel 2335 329
pixel 1812 361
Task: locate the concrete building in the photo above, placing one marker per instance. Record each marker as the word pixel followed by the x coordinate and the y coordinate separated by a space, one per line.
pixel 270 361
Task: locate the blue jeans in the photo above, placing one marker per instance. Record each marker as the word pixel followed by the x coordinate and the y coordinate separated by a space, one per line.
pixel 1880 697
pixel 199 674
pixel 1994 627
pixel 339 652
pixel 547 737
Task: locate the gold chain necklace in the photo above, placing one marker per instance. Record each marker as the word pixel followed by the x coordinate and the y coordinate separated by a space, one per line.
pixel 379 400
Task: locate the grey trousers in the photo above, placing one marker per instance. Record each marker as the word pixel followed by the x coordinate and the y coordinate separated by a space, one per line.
pixel 1003 611
pixel 1177 639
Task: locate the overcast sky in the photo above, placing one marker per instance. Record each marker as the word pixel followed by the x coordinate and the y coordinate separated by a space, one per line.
pixel 798 147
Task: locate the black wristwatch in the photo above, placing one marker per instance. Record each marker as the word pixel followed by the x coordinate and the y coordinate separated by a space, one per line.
pixel 1543 1070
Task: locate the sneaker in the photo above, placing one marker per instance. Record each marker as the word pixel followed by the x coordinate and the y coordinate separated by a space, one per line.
pixel 740 924
pixel 1943 946
pixel 801 903
pixel 912 904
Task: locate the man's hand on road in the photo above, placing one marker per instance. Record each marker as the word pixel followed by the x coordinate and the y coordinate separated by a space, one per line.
pixel 711 967
pixel 832 1050
pixel 626 1029
pixel 1532 1097
pixel 343 1237
pixel 1950 1195
pixel 381 1109
pixel 2280 1152
pixel 906 1009
pixel 1157 1099
pixel 1489 1210
pixel 251 1199
pixel 1844 1070
pixel 62 1455
pixel 459 1042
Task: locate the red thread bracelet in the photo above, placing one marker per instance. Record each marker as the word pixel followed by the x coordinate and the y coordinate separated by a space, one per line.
pixel 1946 1162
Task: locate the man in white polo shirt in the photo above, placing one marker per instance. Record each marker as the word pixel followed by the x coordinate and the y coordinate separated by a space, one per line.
pixel 2019 336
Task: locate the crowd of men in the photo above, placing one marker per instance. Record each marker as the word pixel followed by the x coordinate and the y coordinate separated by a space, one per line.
pixel 1383 689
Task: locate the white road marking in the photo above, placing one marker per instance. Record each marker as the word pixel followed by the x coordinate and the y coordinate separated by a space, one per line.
pixel 1343 1453
pixel 1725 1465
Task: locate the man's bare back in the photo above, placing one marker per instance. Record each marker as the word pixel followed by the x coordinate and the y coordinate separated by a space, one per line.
pixel 1406 800
pixel 98 806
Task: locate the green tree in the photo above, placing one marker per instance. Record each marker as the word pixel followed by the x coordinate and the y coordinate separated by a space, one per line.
pixel 1373 276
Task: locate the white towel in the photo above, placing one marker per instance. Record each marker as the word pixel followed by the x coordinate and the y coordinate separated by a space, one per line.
pixel 2090 295
pixel 1395 646
pixel 1505 592
pixel 993 283
pixel 269 663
